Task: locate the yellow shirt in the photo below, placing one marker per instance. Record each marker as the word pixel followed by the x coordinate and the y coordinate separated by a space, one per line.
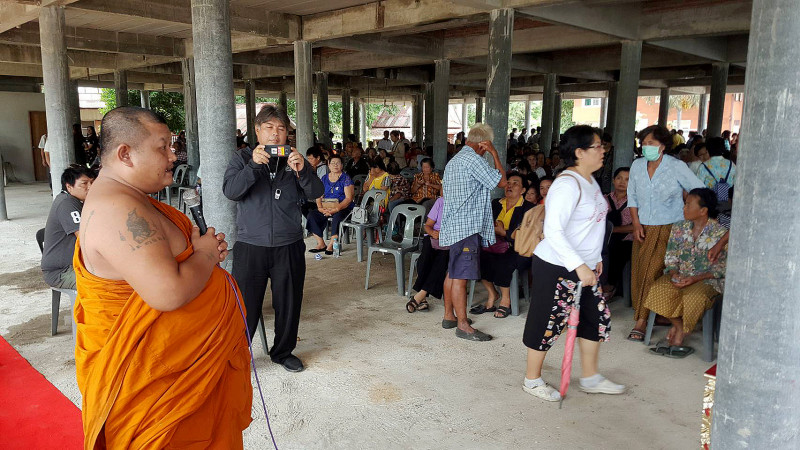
pixel 505 214
pixel 382 183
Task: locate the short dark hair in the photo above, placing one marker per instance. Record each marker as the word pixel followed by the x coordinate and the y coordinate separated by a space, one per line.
pixel 332 157
pixel 707 199
pixel 578 136
pixel 315 152
pixel 699 146
pixel 125 125
pixel 272 111
pixel 660 134
pixel 621 169
pixel 395 133
pixel 428 161
pixel 393 167
pixel 715 146
pixel 377 162
pixel 525 183
pixel 522 164
pixel 73 173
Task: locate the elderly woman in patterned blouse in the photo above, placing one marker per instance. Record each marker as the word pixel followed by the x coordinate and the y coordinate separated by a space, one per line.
pixel 690 281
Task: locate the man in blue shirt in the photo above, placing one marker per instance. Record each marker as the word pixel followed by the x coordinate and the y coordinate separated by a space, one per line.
pixel 467 223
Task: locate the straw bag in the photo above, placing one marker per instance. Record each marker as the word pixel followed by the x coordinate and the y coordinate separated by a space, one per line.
pixel 531 231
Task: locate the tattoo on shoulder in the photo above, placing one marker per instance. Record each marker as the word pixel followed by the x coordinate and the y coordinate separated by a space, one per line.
pixel 141 230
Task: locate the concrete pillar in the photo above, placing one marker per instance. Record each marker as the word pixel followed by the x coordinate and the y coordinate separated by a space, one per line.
pixel 55 73
pixel 716 103
pixel 756 403
pixel 357 119
pixel 702 117
pixel 663 108
pixel 498 81
pixel 74 103
pixel 121 87
pixel 250 106
pixel 145 98
pixel 216 112
pixel 190 113
pixel 323 117
pixel 418 118
pixel 365 127
pixel 557 118
pixel 303 95
pixel 603 112
pixel 464 116
pixel 548 109
pixel 428 135
pixel 283 101
pixel 441 107
pixel 478 109
pixel 611 113
pixel 627 95
pixel 527 117
pixel 345 114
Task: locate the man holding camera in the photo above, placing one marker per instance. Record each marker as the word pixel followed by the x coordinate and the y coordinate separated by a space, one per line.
pixel 268 183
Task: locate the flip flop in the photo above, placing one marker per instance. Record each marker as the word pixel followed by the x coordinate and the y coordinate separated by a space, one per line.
pixel 636 336
pixel 480 309
pixel 678 352
pixel 450 324
pixel 476 336
pixel 317 250
pixel 504 311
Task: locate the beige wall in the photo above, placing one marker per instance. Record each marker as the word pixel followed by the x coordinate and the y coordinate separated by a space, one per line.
pixel 15 131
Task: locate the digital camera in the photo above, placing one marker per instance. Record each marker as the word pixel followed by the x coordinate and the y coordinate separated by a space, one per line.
pixel 280 151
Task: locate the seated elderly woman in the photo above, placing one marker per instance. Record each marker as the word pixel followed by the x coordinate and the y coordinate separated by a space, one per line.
pixel 335 203
pixel 400 188
pixel 690 281
pixel 432 263
pixel 499 261
pixel 427 184
pixel 378 179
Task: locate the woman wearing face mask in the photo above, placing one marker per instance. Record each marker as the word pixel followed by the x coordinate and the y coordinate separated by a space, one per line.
pixel 656 190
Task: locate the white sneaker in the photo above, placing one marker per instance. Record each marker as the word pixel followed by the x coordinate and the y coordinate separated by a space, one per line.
pixel 544 392
pixel 604 386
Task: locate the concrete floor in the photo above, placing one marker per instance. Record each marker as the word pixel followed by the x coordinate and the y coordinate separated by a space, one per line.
pixel 378 377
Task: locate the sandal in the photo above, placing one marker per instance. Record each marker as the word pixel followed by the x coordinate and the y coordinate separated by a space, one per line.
pixel 423 306
pixel 480 309
pixel 412 305
pixel 503 312
pixel 636 336
pixel 672 351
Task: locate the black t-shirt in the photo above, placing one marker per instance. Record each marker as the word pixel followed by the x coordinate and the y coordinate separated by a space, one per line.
pixel 63 222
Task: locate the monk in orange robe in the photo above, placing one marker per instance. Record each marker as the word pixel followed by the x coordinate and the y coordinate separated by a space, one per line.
pixel 161 352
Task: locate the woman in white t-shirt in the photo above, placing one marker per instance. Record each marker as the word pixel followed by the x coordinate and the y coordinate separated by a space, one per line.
pixel 574 227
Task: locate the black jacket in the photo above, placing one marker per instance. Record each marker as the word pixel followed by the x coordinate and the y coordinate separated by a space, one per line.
pixel 261 218
pixel 516 216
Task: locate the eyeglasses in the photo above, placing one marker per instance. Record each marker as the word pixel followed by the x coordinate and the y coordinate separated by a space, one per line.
pixel 596 146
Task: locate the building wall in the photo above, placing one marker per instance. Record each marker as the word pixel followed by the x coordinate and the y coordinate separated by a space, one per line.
pixel 15 130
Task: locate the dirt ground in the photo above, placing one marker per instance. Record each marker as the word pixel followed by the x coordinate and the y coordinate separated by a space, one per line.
pixel 378 377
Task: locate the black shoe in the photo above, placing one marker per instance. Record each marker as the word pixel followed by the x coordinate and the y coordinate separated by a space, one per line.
pixel 292 364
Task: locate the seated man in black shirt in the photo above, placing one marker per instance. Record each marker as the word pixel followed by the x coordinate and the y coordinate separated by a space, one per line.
pixel 358 165
pixel 62 226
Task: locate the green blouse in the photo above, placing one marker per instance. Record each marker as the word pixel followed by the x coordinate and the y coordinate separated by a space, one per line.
pixel 690 258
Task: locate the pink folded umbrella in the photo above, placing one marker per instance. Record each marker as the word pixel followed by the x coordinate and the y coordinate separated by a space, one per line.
pixel 572 332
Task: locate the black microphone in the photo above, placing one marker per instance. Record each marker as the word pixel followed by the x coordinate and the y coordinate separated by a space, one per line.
pixel 192 200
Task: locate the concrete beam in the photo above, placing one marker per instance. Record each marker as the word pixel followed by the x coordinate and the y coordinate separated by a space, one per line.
pixel 665 20
pixel 423 47
pixel 256 58
pixel 254 21
pixel 620 20
pixel 714 48
pixel 15 14
pixel 28 54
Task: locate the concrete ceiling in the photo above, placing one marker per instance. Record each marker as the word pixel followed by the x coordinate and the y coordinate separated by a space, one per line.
pixel 393 43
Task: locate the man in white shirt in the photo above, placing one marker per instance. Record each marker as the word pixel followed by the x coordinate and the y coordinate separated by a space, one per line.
pixel 385 143
pixel 43 151
pixel 398 149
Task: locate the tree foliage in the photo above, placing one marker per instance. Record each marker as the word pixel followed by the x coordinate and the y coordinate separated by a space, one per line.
pixel 168 104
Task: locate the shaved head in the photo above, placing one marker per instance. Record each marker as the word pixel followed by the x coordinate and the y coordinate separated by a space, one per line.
pixel 126 125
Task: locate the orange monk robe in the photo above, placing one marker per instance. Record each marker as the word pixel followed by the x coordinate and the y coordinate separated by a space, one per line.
pixel 152 379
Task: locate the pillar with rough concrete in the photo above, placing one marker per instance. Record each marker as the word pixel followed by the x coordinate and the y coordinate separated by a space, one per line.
pixel 282 100
pixel 250 107
pixel 303 95
pixel 627 96
pixel 323 117
pixel 365 127
pixel 756 402
pixel 190 114
pixel 557 119
pixel 498 79
pixel 663 107
pixel 428 135
pixel 216 111
pixel 548 109
pixel 527 116
pixel 74 103
pixel 478 109
pixel 716 101
pixel 441 108
pixel 611 112
pixel 345 114
pixel 121 87
pixel 145 98
pixel 418 118
pixel 603 112
pixel 55 72
pixel 702 116
pixel 357 119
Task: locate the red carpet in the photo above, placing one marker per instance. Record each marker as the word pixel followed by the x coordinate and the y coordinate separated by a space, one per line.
pixel 33 413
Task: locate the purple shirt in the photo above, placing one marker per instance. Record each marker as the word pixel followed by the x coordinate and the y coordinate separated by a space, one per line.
pixel 436 213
